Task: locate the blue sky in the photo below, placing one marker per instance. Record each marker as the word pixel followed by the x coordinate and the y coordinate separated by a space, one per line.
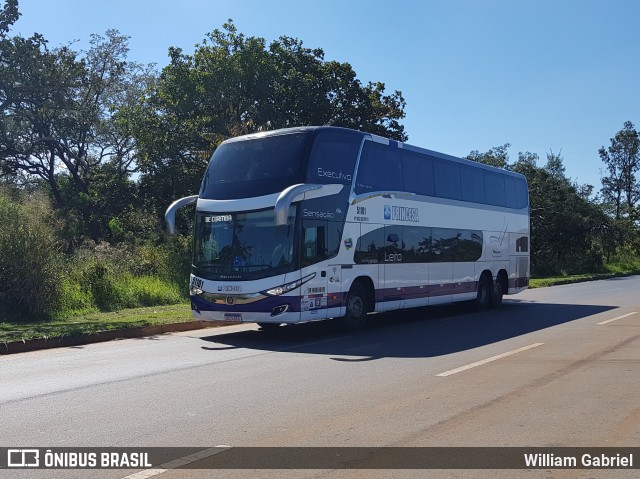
pixel 543 75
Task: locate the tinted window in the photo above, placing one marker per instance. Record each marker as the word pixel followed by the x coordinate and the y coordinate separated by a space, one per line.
pixel 314 242
pixel 393 246
pixel 443 245
pixel 447 179
pixel 522 244
pixel 494 189
pixel 417 172
pixel 333 158
pixel 472 181
pixel 255 167
pixel 379 169
pixel 370 248
pixel 469 245
pixel 516 190
pixel 417 242
pixel 320 240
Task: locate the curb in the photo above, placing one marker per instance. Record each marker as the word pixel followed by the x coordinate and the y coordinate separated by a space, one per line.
pixel 103 336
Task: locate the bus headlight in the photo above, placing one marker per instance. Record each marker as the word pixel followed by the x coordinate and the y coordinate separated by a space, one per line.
pixel 285 288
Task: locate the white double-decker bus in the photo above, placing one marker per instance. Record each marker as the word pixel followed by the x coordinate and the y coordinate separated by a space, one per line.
pixel 309 223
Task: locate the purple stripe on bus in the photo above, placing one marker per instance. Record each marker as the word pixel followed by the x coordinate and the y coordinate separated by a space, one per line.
pixel 335 300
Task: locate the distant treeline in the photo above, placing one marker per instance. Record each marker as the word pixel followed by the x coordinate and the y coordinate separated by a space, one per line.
pixel 94 146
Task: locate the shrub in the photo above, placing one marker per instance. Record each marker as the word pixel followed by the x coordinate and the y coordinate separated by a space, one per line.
pixel 74 299
pixel 626 259
pixel 153 291
pixel 30 257
pixel 121 276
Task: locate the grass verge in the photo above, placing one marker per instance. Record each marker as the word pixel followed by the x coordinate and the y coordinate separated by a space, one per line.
pixel 576 278
pixel 96 321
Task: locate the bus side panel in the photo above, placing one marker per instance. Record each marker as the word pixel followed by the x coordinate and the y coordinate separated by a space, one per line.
pixel 464 281
pixel 440 283
pixel 313 301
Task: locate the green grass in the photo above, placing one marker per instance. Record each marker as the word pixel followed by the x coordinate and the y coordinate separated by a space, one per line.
pixel 577 278
pixel 95 321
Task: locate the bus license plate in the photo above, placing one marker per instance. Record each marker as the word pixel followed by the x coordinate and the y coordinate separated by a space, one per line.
pixel 232 318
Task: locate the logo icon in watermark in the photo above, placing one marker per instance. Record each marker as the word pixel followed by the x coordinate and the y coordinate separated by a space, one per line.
pixel 23 458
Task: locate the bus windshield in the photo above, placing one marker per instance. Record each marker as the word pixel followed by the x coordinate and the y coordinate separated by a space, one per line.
pixel 256 166
pixel 243 245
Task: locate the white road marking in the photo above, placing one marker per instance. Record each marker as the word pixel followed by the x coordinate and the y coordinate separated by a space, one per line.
pixel 182 461
pixel 619 317
pixel 607 290
pixel 488 360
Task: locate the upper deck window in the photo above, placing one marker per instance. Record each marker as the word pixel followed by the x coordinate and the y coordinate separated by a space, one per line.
pixel 333 158
pixel 380 169
pixel 255 166
pixel 389 168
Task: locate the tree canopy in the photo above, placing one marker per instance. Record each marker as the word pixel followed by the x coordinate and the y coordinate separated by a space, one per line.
pixel 622 159
pixel 59 122
pixel 568 231
pixel 232 85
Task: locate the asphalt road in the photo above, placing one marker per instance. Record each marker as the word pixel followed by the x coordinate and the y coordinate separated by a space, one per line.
pixel 553 367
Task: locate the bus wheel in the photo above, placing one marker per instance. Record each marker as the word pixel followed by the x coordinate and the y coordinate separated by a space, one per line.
pixel 269 326
pixel 356 315
pixel 496 294
pixel 484 292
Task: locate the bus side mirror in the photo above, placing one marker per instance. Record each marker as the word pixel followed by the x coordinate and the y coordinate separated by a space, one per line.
pixel 170 214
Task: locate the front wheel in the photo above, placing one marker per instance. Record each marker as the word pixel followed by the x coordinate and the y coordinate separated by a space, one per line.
pixel 356 315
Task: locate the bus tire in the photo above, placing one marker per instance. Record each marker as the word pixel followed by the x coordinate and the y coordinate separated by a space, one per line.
pixel 356 309
pixel 484 293
pixel 497 293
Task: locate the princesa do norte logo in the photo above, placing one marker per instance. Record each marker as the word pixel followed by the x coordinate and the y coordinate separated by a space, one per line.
pixel 401 213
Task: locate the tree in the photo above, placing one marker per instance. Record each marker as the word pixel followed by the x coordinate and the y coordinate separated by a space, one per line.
pixel 59 120
pixel 232 85
pixel 567 230
pixel 9 14
pixel 497 156
pixel 555 166
pixel 622 159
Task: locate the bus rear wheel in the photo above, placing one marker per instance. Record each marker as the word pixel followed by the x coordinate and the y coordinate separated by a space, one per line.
pixel 496 294
pixel 484 293
pixel 356 314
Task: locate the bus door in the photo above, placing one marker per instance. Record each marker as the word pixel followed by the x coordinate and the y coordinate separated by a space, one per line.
pixel 314 293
